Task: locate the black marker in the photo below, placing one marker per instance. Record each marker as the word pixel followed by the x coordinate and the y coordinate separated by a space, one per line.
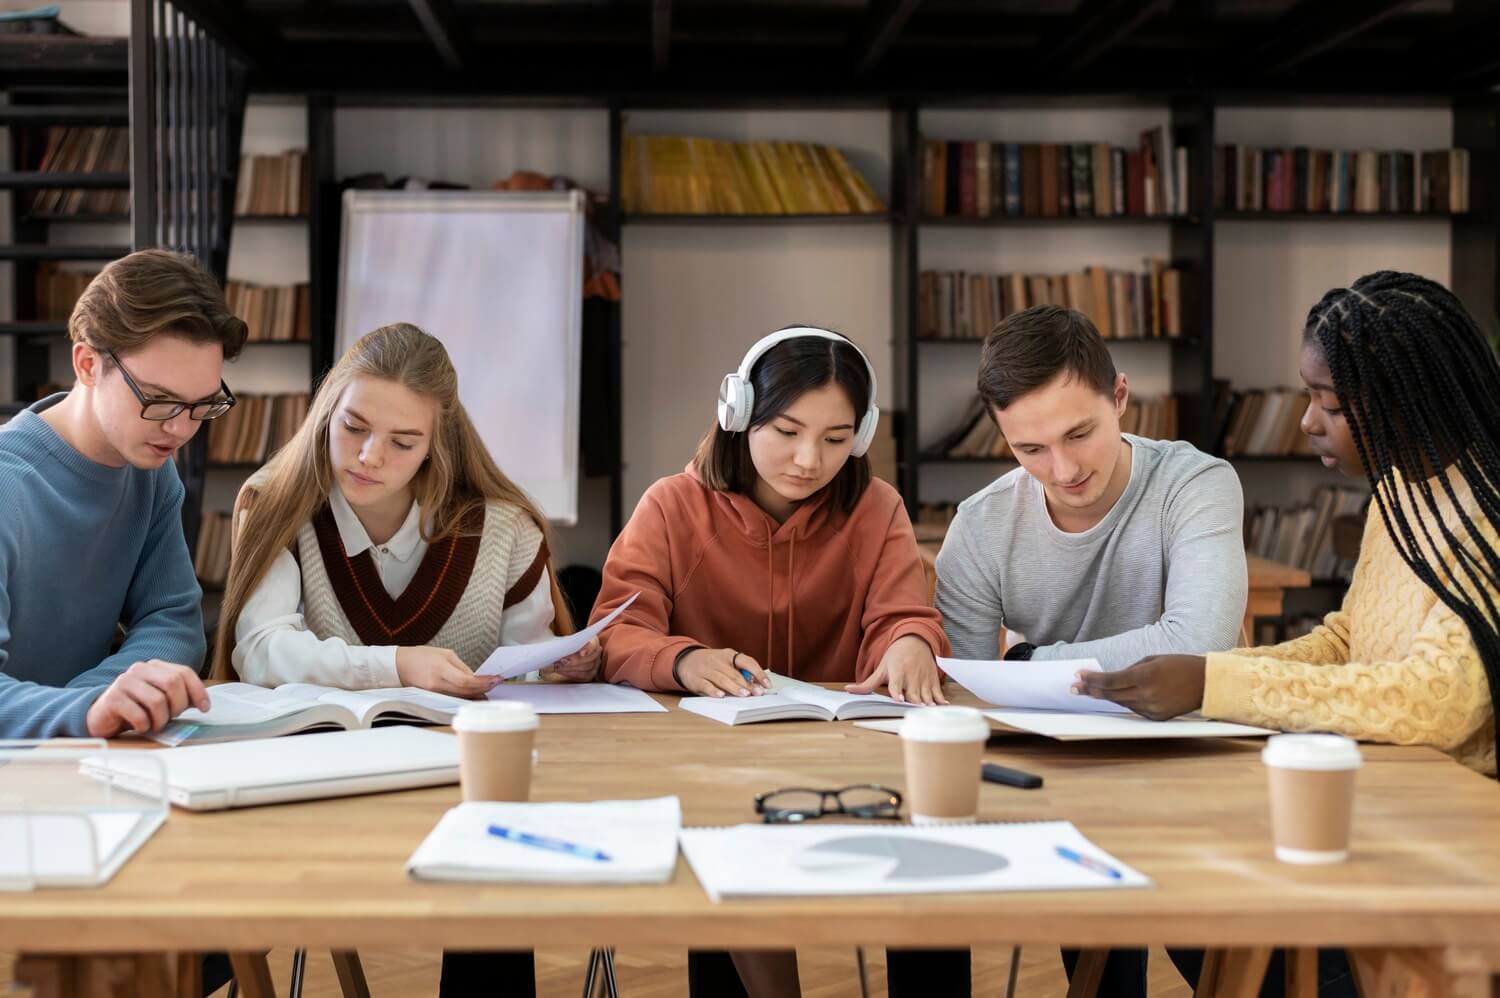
pixel 994 773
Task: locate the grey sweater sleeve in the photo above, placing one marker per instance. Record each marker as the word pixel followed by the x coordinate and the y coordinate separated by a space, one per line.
pixel 968 595
pixel 1207 582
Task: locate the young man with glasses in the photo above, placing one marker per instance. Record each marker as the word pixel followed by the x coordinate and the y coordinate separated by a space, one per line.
pixel 91 539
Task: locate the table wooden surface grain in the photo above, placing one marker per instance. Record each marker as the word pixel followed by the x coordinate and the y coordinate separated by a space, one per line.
pixel 1192 815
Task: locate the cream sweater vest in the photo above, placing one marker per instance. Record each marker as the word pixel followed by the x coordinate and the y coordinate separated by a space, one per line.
pixel 508 548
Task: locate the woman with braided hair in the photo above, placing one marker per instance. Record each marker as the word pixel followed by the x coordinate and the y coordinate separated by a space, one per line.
pixel 1404 390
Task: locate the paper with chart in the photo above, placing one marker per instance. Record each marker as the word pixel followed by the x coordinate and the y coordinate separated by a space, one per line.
pixel 578 698
pixel 558 842
pixel 515 661
pixel 1029 685
pixel 848 859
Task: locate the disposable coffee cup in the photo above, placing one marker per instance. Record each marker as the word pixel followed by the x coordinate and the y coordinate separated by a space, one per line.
pixel 943 748
pixel 1312 796
pixel 495 755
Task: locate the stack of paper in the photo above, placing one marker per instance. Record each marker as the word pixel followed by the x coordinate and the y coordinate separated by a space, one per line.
pixel 813 860
pixel 622 842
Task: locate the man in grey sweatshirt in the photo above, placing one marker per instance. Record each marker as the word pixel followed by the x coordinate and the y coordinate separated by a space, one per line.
pixel 1101 544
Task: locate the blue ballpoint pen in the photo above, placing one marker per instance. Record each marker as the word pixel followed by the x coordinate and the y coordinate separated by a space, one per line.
pixel 1088 863
pixel 542 842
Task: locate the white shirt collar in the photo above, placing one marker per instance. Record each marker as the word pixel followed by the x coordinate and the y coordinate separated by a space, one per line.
pixel 402 545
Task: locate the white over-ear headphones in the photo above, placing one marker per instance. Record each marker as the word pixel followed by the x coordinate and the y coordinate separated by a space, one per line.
pixel 737 394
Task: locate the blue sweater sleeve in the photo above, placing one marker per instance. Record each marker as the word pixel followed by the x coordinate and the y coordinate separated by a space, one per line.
pixel 31 710
pixel 163 614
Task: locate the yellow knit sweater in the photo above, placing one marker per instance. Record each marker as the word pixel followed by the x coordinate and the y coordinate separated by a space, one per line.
pixel 1393 664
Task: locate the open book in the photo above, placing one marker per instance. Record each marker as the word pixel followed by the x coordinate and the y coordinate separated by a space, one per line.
pixel 794 700
pixel 241 710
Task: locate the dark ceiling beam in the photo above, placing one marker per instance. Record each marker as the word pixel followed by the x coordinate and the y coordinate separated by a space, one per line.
pixel 661 35
pixel 1105 24
pixel 444 32
pixel 882 24
pixel 1311 27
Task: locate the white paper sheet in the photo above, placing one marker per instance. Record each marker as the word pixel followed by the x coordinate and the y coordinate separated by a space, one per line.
pixel 514 661
pixel 578 698
pixel 1029 685
pixel 1097 727
pixel 849 859
pixel 60 853
pixel 639 837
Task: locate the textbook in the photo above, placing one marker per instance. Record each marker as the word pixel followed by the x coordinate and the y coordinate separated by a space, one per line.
pixel 240 711
pixel 794 700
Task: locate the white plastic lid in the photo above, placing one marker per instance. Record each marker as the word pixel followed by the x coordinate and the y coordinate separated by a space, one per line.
pixel 945 724
pixel 495 715
pixel 1326 752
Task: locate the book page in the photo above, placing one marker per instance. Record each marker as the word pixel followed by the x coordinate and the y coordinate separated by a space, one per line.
pixel 829 700
pixel 402 701
pixel 1029 685
pixel 245 703
pixel 1091 727
pixel 766 707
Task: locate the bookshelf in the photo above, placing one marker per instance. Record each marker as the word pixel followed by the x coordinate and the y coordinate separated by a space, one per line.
pixel 269 254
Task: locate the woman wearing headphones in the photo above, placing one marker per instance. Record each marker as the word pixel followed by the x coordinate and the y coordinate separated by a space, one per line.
pixel 775 551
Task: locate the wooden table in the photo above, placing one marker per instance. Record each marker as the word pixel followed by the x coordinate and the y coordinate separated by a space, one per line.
pixel 1424 875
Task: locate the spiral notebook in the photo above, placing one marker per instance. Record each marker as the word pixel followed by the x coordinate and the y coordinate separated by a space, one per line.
pixel 868 859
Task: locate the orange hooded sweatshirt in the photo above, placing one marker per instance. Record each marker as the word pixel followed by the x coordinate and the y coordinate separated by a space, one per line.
pixel 819 598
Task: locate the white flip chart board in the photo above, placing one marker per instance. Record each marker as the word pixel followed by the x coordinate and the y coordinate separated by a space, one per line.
pixel 497 276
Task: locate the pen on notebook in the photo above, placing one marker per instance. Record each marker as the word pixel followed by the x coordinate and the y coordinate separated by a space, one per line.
pixel 542 842
pixel 1089 863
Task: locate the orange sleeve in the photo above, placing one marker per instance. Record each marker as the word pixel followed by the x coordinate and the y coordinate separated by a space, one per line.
pixel 896 602
pixel 639 647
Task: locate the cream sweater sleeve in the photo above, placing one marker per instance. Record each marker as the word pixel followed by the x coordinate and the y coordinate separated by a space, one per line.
pixel 1437 695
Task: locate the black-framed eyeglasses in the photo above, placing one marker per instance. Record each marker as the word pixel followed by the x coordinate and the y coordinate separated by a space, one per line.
pixel 796 804
pixel 161 410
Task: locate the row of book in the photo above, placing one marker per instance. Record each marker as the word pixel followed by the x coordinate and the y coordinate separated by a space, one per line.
pixel 211 559
pixel 1262 422
pixel 977 436
pixel 1303 535
pixel 84 150
pixel 1045 180
pixel 273 185
pixel 663 174
pixel 58 290
pixel 257 427
pixel 1121 304
pixel 281 313
pixel 1341 180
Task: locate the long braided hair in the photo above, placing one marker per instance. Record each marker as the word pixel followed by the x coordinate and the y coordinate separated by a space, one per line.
pixel 1420 388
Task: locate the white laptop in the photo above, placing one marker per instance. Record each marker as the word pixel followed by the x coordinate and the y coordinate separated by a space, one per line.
pixel 277 770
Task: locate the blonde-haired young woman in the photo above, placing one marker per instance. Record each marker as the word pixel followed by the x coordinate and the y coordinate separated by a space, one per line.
pixel 382 546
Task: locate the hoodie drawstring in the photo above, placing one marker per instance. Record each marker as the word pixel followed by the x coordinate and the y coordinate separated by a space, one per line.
pixel 770 596
pixel 791 602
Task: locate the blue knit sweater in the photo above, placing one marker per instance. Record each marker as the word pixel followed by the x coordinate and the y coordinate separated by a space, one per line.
pixel 84 548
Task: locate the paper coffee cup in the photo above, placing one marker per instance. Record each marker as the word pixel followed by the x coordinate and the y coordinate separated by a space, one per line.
pixel 495 755
pixel 943 748
pixel 1312 795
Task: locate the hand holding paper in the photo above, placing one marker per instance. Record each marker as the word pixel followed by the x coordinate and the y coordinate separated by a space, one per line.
pixel 513 661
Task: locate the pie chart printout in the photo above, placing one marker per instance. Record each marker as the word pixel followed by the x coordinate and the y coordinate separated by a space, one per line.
pixel 887 857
